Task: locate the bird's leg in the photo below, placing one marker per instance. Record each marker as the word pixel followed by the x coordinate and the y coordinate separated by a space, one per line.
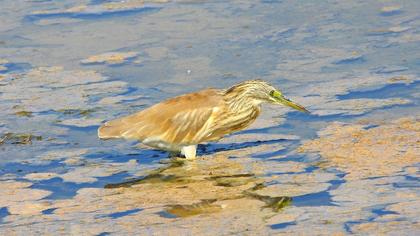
pixel 174 154
pixel 189 152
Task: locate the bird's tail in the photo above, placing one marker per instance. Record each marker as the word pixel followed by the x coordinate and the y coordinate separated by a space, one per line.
pixel 111 129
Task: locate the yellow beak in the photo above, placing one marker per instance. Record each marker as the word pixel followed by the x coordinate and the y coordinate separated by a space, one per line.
pixel 281 99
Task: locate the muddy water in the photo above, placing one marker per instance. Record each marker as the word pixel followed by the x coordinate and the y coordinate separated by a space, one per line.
pixel 352 166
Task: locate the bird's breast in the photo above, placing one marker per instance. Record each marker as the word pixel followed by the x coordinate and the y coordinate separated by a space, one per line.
pixel 231 121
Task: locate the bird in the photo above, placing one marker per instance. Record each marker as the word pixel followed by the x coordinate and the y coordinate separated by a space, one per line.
pixel 179 124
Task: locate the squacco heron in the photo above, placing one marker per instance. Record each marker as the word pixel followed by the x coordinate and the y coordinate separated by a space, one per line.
pixel 178 124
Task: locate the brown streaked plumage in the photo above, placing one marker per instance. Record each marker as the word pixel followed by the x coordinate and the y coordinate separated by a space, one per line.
pixel 179 124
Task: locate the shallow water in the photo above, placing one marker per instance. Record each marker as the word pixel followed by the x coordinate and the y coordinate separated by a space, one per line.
pixel 351 166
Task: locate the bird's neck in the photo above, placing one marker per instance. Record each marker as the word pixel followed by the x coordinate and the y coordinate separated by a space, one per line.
pixel 241 102
pixel 241 112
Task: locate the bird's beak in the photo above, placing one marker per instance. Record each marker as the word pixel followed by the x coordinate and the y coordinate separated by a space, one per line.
pixel 281 99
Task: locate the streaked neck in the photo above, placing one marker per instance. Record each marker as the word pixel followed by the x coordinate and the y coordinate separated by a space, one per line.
pixel 240 101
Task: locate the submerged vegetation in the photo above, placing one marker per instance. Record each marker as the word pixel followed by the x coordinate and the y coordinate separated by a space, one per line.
pixel 14 138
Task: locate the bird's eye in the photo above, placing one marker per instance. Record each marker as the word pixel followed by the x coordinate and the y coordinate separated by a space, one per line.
pixel 275 93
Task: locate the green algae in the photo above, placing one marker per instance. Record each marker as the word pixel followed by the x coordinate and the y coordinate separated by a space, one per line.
pixel 203 207
pixel 276 203
pixel 23 113
pixel 81 112
pixel 232 180
pixel 22 138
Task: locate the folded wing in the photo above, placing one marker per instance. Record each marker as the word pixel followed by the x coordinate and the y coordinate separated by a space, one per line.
pixel 181 120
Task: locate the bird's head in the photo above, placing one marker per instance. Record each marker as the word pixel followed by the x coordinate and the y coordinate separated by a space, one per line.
pixel 260 92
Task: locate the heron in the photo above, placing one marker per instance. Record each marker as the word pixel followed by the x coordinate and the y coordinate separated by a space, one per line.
pixel 179 124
